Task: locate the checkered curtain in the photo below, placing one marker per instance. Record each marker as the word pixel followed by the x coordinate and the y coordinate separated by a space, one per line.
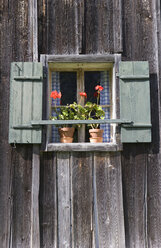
pixel 105 100
pixel 55 86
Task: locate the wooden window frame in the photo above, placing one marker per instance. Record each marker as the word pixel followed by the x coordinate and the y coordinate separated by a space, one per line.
pixel 80 64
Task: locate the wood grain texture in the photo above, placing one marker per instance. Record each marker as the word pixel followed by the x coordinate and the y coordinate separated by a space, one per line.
pixel 108 210
pixel 141 22
pixel 64 200
pixel 35 224
pixel 85 27
pixel 102 27
pixel 21 192
pixel 48 201
pixel 58 24
pixel 134 162
pixel 15 45
pixel 81 173
pixel 86 147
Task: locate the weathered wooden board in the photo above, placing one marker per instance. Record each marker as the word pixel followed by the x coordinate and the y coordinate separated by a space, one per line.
pixel 21 193
pixel 15 45
pixel 60 26
pixel 48 201
pixel 35 223
pixel 64 200
pixel 134 164
pixel 108 208
pixel 81 173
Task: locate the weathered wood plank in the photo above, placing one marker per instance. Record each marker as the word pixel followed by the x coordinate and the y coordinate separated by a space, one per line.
pixel 16 44
pixel 26 102
pixel 102 27
pixel 61 24
pixel 81 173
pixel 117 26
pixel 48 201
pixel 35 224
pixel 108 210
pixel 134 164
pixel 153 200
pixel 64 197
pixel 21 190
pixel 86 147
pixel 81 58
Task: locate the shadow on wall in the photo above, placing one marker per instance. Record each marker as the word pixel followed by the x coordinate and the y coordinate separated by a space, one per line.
pixel 154 113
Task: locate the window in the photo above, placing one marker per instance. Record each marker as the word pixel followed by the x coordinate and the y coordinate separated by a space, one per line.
pixel 71 78
pixel 126 99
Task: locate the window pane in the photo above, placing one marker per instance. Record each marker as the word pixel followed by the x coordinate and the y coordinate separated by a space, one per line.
pixel 92 78
pixel 68 87
pixel 66 83
pixel 100 78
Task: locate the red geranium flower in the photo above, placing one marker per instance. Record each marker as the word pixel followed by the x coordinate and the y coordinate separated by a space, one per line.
pixel 83 94
pixel 55 94
pixel 59 95
pixel 96 94
pixel 99 87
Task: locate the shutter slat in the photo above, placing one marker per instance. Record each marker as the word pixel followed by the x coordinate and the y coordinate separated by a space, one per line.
pixel 25 101
pixel 37 101
pixel 135 101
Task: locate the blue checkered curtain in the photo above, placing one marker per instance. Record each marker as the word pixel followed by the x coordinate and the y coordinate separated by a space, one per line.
pixel 55 86
pixel 105 100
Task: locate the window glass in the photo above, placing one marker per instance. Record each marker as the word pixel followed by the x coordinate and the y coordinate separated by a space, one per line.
pixel 68 87
pixel 102 78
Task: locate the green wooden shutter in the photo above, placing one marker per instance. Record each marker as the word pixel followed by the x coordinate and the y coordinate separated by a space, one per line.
pixel 135 101
pixel 25 101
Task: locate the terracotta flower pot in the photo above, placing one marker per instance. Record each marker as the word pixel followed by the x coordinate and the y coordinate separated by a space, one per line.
pixel 66 134
pixel 96 135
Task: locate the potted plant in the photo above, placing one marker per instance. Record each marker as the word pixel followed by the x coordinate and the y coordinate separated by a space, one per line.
pixel 72 111
pixel 95 112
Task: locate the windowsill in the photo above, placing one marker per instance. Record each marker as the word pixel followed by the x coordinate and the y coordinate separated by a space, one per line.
pixel 86 147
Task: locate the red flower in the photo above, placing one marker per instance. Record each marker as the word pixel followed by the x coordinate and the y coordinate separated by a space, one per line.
pixel 99 87
pixel 59 95
pixel 96 94
pixel 55 94
pixel 83 94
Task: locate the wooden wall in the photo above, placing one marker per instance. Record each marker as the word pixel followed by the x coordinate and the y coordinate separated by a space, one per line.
pixel 73 27
pixel 81 200
pixel 15 163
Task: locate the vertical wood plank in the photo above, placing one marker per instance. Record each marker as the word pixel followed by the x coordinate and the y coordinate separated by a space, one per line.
pixel 62 30
pixel 64 207
pixel 103 27
pixel 48 201
pixel 37 94
pixel 35 225
pixel 117 26
pixel 21 191
pixel 15 103
pixel 134 164
pixel 108 211
pixel 27 101
pixel 81 164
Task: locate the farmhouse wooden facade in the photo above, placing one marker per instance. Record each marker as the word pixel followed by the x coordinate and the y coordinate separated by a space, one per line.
pixel 80 195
